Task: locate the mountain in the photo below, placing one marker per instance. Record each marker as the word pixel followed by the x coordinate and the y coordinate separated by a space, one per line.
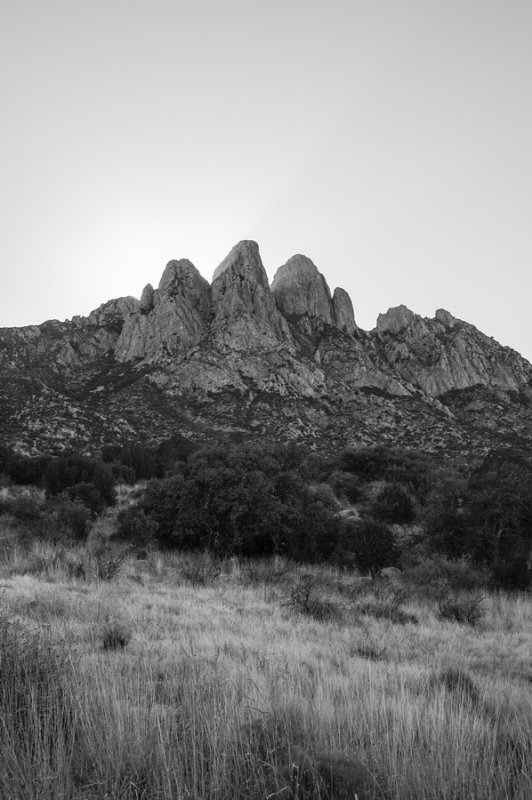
pixel 241 358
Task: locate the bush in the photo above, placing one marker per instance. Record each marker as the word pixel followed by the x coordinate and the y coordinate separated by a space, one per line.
pixel 88 495
pixel 66 518
pixel 409 468
pixel 433 575
pixel 25 504
pixel 115 636
pixel 386 603
pixel 108 561
pixel 346 486
pixel 303 598
pixel 66 472
pixel 371 542
pixel 200 569
pixel 463 608
pixel 393 504
pixel 243 501
pixel 270 571
pixel 136 527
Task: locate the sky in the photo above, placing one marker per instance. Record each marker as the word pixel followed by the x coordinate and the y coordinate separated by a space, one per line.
pixel 388 140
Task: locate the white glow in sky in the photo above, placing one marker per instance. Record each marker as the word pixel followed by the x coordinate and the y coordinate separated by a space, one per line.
pixel 388 141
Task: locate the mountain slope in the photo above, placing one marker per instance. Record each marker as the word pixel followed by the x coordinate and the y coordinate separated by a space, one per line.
pixel 241 358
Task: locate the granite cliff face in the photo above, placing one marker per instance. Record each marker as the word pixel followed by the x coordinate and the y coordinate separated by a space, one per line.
pixel 441 354
pixel 238 357
pixel 170 319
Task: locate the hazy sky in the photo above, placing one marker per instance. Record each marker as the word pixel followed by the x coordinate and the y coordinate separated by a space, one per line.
pixel 389 141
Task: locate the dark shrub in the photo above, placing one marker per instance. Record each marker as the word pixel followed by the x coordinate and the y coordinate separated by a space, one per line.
pixel 432 575
pixel 371 542
pixel 26 505
pixel 413 470
pixel 136 527
pixel 464 608
pixel 88 495
pixel 393 504
pixel 304 598
pixel 66 518
pixel 115 636
pixel 385 602
pixel 67 471
pixel 243 500
pixel 200 569
pixel 346 486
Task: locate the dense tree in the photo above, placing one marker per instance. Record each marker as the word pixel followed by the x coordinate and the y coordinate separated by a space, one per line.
pixel 244 499
pixel 500 513
pixel 370 542
pixel 393 504
pixel 487 518
pixel 64 472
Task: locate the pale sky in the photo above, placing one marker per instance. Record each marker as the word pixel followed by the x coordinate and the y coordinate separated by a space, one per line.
pixel 390 141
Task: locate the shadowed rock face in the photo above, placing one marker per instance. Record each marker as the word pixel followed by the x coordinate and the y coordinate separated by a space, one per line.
pixel 302 295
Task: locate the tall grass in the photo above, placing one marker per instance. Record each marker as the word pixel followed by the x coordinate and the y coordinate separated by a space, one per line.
pixel 224 692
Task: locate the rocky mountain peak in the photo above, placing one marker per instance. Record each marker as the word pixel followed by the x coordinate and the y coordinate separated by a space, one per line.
pixel 244 263
pixel 170 319
pixel 146 299
pixel 181 278
pixel 271 356
pixel 245 314
pixel 342 309
pixel 395 320
pixel 446 319
pixel 302 295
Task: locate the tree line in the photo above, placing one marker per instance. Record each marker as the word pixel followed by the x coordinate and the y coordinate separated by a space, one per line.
pixel 366 507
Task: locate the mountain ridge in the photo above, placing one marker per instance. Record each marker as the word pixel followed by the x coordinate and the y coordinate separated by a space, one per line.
pixel 188 344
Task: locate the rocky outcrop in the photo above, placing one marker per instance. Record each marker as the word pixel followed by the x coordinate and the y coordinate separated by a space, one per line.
pixel 395 320
pixel 146 299
pixel 302 295
pixel 169 320
pixel 446 319
pixel 288 359
pixel 245 314
pixel 441 354
pixel 342 311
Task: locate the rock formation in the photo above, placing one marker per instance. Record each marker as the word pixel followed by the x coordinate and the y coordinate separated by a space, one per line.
pixel 342 311
pixel 245 314
pixel 302 295
pixel 169 320
pixel 240 357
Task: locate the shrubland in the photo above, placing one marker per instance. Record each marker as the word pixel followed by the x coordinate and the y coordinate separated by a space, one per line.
pixel 214 625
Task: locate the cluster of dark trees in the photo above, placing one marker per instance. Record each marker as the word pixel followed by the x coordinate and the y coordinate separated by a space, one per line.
pixel 262 499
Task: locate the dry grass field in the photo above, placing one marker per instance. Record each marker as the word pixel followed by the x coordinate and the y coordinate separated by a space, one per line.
pixel 160 678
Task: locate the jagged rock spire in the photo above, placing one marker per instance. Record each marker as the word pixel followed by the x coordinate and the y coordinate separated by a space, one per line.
pixel 242 301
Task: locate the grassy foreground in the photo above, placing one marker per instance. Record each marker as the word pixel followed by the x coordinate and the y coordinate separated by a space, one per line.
pixel 264 681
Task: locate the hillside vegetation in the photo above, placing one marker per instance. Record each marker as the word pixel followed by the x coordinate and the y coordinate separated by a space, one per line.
pixel 209 623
